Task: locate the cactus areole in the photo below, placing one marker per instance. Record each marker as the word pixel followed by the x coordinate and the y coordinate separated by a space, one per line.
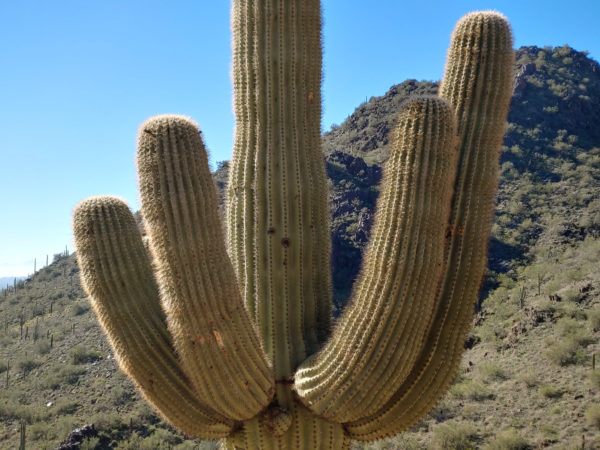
pixel 226 331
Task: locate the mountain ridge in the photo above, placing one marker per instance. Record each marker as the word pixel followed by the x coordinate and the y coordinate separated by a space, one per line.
pixel 546 89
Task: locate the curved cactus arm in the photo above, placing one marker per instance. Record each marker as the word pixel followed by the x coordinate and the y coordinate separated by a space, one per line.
pixel 117 275
pixel 212 331
pixel 478 84
pixel 381 334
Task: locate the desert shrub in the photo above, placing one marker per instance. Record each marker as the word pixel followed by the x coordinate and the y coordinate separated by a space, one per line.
pixel 141 415
pixel 471 390
pixel 565 352
pixel 488 332
pixel 58 257
pixel 65 406
pixel 548 390
pixel 491 371
pixel 566 326
pixel 81 354
pixel 404 441
pixel 594 318
pixel 548 431
pixel 204 445
pixel 571 295
pixel 31 413
pixel 595 379
pixel 79 308
pixel 529 378
pixel 3 366
pixel 38 432
pixel 91 443
pixel 42 347
pixel 8 410
pixel 582 338
pixel 454 436
pixel 556 410
pixel 592 415
pixel 108 421
pixel 58 294
pixel 509 440
pixel 573 311
pixel 26 365
pixel 134 441
pixel 64 425
pixel 552 286
pixel 62 375
pixel 575 274
pixel 160 439
pixel 120 395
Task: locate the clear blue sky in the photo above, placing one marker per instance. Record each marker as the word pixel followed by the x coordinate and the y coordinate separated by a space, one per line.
pixel 78 77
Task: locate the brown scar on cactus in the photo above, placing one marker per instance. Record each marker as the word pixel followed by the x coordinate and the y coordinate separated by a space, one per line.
pixel 269 372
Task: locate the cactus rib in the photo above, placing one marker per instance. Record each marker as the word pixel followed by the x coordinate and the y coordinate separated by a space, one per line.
pixel 478 84
pixel 383 330
pixel 117 275
pixel 212 332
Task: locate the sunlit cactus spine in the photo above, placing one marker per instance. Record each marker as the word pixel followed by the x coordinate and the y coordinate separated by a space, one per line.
pixel 227 334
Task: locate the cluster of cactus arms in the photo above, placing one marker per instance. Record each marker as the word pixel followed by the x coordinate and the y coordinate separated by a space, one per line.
pixel 226 330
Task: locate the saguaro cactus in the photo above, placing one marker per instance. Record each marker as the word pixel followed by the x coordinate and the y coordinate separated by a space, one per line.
pixel 232 340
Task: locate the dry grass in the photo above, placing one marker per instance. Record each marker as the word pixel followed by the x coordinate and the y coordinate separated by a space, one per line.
pixel 548 390
pixel 450 436
pixel 592 415
pixel 508 440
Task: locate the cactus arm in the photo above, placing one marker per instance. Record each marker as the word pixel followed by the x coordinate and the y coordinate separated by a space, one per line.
pixel 478 84
pixel 380 336
pixel 117 275
pixel 212 332
pixel 277 220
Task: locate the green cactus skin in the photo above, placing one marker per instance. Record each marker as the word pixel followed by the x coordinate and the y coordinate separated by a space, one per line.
pixel 212 331
pixel 117 274
pixel 278 231
pixel 394 298
pixel 234 342
pixel 478 84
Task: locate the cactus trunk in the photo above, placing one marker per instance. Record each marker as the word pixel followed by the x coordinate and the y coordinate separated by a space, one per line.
pixel 278 232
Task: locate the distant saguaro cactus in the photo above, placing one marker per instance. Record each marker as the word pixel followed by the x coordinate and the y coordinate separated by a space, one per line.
pixel 23 426
pixel 232 340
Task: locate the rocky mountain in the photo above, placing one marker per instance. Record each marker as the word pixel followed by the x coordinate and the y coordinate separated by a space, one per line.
pixel 549 180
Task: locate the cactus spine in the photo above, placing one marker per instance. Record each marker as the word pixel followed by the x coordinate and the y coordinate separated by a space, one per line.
pixel 231 342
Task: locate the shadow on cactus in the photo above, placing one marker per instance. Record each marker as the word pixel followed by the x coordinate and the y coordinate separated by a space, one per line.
pixel 229 336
